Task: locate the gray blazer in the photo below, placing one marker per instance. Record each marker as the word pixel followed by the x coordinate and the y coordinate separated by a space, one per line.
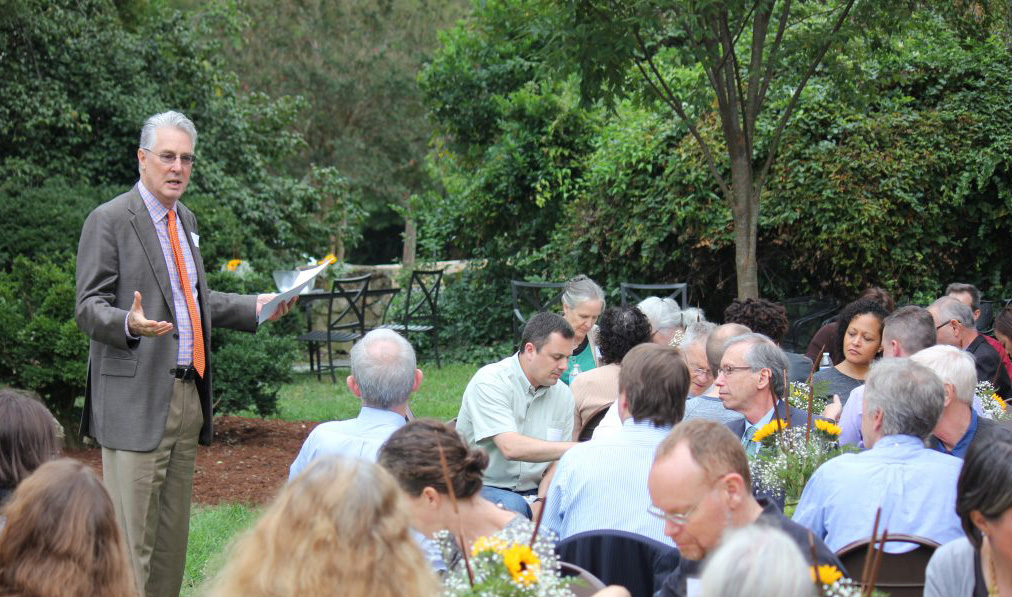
pixel 129 385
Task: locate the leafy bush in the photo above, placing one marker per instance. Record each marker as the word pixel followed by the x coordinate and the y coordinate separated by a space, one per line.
pixel 42 348
pixel 249 369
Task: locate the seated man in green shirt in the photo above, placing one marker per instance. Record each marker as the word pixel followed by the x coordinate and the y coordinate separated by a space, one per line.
pixel 519 414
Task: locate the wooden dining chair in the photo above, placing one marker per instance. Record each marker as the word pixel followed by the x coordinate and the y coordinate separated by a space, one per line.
pixel 899 574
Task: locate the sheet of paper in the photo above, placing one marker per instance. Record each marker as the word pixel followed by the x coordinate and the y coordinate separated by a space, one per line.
pixel 304 278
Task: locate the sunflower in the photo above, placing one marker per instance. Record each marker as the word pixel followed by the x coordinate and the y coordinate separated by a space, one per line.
pixel 768 429
pixel 1001 402
pixel 330 258
pixel 492 544
pixel 523 564
pixel 827 427
pixel 233 264
pixel 827 574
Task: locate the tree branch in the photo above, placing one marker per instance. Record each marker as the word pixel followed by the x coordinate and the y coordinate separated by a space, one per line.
pixel 672 100
pixel 752 105
pixel 797 94
pixel 774 51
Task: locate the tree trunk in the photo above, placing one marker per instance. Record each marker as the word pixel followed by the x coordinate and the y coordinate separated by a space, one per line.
pixel 410 239
pixel 745 208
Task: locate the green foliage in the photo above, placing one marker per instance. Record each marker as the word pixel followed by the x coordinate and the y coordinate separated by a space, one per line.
pixel 249 369
pixel 212 530
pixel 42 348
pixel 78 83
pixel 45 220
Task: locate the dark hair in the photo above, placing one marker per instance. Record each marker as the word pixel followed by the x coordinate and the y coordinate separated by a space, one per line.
pixel 911 326
pixel 856 309
pixel 655 380
pixel 880 296
pixel 1003 323
pixel 61 536
pixel 985 482
pixel 542 325
pixel 27 436
pixel 762 316
pixel 959 288
pixel 619 329
pixel 411 454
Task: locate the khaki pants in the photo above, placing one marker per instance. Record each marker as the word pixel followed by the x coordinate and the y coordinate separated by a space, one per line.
pixel 151 493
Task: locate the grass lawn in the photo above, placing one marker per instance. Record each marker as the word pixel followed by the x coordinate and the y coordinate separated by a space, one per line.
pixel 212 528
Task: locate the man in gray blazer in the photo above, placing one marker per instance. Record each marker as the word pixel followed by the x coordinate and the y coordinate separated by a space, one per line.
pixel 143 300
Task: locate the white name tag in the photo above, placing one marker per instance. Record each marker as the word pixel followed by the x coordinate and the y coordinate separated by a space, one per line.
pixel 196 239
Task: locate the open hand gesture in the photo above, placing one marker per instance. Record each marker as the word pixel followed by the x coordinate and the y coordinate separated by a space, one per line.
pixel 141 326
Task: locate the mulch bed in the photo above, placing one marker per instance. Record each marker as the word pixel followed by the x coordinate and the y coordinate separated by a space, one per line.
pixel 247 462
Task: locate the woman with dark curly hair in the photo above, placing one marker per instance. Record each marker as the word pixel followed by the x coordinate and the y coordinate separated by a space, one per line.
pixel 824 339
pixel 859 338
pixel 770 319
pixel 619 329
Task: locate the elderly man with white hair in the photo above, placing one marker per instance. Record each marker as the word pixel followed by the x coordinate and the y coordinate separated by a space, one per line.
pixel 959 423
pixel 383 376
pixel 954 325
pixel 914 486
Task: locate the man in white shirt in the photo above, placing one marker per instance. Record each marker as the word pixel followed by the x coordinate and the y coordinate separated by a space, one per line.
pixel 383 376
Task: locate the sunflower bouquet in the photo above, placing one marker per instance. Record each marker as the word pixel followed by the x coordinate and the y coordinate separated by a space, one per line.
pixel 799 393
pixel 789 455
pixel 506 564
pixel 833 584
pixel 994 407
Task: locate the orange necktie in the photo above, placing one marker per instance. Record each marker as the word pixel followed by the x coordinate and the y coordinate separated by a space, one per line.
pixel 191 305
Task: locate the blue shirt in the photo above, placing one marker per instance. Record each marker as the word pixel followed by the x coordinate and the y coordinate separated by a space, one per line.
pixel 914 485
pixel 959 450
pixel 602 484
pixel 360 437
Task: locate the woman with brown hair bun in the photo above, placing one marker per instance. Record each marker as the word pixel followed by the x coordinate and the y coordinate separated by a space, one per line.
pixel 61 537
pixel 339 528
pixel 412 456
pixel 27 438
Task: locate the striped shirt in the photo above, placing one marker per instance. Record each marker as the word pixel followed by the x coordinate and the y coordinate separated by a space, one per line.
pixel 160 217
pixel 602 484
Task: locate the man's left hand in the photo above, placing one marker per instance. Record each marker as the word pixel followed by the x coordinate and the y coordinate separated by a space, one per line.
pixel 283 308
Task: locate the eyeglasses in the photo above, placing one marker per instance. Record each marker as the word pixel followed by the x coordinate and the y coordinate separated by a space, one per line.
pixel 681 519
pixel 700 372
pixel 943 324
pixel 727 370
pixel 167 157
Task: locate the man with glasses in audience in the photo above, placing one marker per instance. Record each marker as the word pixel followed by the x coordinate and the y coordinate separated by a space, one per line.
pixel 752 381
pixel 954 325
pixel 143 300
pixel 704 349
pixel 700 485
pixel 970 296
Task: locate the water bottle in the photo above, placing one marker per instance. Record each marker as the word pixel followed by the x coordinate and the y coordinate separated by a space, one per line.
pixel 574 370
pixel 825 362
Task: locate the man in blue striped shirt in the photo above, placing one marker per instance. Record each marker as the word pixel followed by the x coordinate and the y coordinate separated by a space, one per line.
pixel 602 484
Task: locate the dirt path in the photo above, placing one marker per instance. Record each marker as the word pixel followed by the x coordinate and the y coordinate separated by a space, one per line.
pixel 247 462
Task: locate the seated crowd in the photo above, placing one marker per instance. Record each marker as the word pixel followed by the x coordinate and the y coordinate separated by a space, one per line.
pixel 635 424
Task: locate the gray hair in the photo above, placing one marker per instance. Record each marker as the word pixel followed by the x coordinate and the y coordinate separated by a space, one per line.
pixel 763 353
pixel 715 343
pixel 663 313
pixel 909 395
pixel 960 288
pixel 692 315
pixel 697 332
pixel 911 326
pixel 949 308
pixel 953 366
pixel 757 560
pixel 168 119
pixel 580 290
pixel 383 364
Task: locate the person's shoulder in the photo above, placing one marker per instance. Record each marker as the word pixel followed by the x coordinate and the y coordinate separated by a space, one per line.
pixel 944 461
pixel 950 568
pixel 117 205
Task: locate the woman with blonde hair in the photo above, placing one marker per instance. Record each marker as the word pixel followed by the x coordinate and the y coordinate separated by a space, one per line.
pixel 61 537
pixel 339 528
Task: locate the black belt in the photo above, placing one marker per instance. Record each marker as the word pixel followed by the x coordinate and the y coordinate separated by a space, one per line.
pixel 187 373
